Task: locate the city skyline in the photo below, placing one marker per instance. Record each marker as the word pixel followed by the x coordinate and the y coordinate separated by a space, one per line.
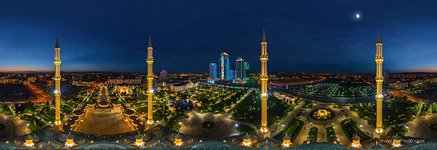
pixel 304 36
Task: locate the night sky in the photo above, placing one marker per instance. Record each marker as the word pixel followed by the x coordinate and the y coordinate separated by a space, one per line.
pixel 303 35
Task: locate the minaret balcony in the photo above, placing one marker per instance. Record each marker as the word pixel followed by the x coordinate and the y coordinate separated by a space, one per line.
pixel 379 59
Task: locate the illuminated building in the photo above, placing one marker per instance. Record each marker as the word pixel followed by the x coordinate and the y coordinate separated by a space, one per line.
pixel 246 140
pixel 231 75
pixel 224 66
pixel 69 141
pixel 212 71
pixel 264 78
pixel 150 81
pixel 396 141
pixel 239 68
pixel 178 140
pixel 356 143
pixel 163 75
pixel 57 79
pixel 286 142
pixel 246 70
pixel 379 80
pixel 139 140
pixel 29 141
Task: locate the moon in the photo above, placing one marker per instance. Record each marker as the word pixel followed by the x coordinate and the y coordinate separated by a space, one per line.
pixel 357 16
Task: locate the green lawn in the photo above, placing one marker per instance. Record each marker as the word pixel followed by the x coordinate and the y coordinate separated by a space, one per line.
pixel 350 128
pixel 395 111
pixel 331 134
pixel 292 129
pixel 249 110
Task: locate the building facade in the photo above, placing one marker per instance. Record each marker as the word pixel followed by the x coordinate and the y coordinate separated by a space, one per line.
pixel 239 68
pixel 246 70
pixel 212 71
pixel 224 66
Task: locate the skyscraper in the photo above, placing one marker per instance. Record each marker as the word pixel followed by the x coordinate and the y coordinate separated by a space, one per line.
pixel 213 71
pixel 246 70
pixel 231 75
pixel 264 78
pixel 224 66
pixel 379 80
pixel 57 79
pixel 239 68
pixel 150 75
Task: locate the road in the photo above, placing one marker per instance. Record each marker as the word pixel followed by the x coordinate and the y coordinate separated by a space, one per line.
pixel 410 97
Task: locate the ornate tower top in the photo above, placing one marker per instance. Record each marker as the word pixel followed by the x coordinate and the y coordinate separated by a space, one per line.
pixel 378 40
pixel 57 43
pixel 264 39
pixel 150 41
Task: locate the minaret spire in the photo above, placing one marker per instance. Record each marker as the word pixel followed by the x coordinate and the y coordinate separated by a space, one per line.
pixel 150 41
pixel 57 42
pixel 264 39
pixel 378 40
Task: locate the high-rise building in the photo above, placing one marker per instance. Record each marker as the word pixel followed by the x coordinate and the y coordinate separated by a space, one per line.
pixel 239 68
pixel 224 66
pixel 212 71
pixel 264 78
pixel 246 70
pixel 57 79
pixel 150 76
pixel 231 75
pixel 379 80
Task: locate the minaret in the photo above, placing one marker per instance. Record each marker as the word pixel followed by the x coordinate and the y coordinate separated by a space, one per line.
pixel 379 80
pixel 264 78
pixel 57 79
pixel 150 81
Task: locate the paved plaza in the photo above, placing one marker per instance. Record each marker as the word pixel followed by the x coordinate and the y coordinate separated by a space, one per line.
pixel 108 121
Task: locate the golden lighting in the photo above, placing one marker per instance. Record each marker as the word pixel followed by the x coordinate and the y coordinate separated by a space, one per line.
pixel 178 141
pixel 286 142
pixel 29 142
